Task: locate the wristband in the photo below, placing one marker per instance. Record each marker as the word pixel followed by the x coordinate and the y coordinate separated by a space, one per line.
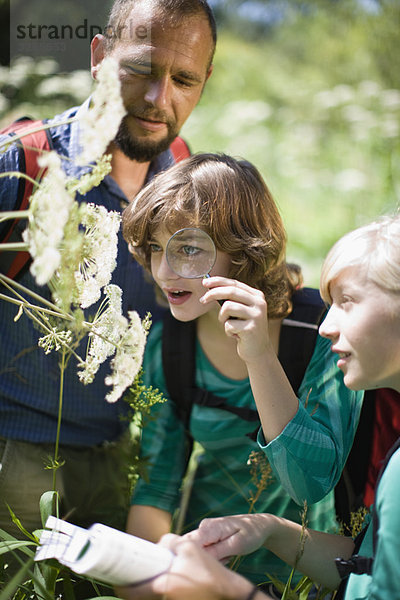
pixel 252 593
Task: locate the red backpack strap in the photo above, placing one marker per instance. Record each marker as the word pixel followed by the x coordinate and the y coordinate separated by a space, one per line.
pixel 31 146
pixel 180 150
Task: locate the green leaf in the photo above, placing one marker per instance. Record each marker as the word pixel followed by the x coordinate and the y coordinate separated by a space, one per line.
pixel 44 580
pixel 8 538
pixel 18 523
pixel 305 589
pixel 14 545
pixel 48 505
pixel 67 585
pixel 15 582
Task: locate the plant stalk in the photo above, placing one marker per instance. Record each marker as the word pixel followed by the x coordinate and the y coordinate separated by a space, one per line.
pixel 60 404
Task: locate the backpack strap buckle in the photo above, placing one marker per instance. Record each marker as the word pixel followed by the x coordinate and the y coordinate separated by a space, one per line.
pixel 358 565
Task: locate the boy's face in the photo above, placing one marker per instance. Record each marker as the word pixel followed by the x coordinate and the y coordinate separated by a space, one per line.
pixel 183 294
pixel 363 325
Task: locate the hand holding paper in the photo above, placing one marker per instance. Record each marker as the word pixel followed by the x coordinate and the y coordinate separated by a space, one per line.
pixel 103 553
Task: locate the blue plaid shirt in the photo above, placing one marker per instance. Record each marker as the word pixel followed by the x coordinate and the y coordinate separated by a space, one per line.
pixel 29 379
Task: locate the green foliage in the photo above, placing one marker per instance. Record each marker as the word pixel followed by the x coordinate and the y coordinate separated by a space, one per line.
pixel 301 590
pixel 35 88
pixel 142 398
pixel 312 107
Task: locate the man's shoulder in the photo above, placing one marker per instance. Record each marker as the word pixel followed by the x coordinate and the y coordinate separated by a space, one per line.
pixel 65 137
pixel 64 116
pixel 60 127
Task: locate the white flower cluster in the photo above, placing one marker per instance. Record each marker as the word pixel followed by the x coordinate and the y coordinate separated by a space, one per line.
pixel 74 246
pixel 113 333
pixel 54 340
pixel 105 333
pixel 74 249
pixel 128 357
pixel 99 125
pixel 99 257
pixel 50 206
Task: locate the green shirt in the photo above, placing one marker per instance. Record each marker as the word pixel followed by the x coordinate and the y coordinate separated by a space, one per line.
pixel 308 456
pixel 384 582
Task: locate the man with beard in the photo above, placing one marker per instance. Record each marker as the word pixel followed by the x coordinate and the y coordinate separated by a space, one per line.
pixel 164 49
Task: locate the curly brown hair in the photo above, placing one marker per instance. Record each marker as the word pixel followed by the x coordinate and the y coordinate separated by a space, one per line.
pixel 228 199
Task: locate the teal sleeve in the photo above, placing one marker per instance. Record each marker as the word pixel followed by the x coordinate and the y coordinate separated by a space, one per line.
pixel 385 572
pixel 384 582
pixel 163 438
pixel 309 454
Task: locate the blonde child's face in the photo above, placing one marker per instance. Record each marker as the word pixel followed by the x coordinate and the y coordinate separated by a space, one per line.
pixel 363 325
pixel 182 294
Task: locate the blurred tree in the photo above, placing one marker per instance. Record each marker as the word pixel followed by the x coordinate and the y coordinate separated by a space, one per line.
pixel 385 40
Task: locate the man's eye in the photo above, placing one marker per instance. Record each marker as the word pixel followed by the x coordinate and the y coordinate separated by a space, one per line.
pixel 183 82
pixel 137 69
pixel 154 248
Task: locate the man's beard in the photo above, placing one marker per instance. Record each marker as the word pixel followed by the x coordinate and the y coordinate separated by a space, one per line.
pixel 141 150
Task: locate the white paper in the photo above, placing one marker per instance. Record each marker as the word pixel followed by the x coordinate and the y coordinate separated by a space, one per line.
pixel 103 553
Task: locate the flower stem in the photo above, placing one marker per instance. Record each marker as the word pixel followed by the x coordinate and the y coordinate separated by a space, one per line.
pixel 13 246
pixel 12 283
pixel 25 304
pixel 7 215
pixel 19 175
pixel 41 127
pixel 60 403
pixel 52 310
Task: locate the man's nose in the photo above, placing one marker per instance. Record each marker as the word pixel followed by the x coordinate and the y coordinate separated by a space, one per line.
pixel 159 92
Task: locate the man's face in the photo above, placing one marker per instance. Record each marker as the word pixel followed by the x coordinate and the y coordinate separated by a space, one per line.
pixel 163 67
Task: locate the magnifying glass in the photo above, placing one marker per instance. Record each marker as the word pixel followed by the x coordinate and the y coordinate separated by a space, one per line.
pixel 191 253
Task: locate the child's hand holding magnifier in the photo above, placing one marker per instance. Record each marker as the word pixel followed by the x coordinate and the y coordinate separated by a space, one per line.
pixel 191 254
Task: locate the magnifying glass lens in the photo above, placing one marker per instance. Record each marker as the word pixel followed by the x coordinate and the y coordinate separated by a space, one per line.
pixel 191 253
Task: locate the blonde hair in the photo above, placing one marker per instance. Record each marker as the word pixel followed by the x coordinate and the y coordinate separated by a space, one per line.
pixel 374 247
pixel 229 200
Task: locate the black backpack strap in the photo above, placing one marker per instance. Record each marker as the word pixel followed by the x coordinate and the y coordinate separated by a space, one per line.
pixel 206 398
pixel 299 334
pixel 179 364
